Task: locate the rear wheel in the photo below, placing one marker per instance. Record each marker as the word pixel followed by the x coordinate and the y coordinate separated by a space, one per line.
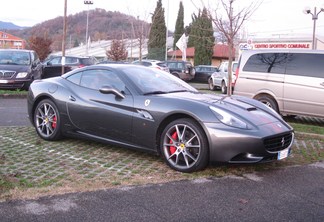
pixel 184 146
pixel 47 120
pixel 224 87
pixel 269 101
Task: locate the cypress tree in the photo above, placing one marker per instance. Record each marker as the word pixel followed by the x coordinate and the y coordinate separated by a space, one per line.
pixel 179 27
pixel 204 41
pixel 157 37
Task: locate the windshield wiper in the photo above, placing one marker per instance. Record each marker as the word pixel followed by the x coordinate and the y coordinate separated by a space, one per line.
pixel 155 92
pixel 180 90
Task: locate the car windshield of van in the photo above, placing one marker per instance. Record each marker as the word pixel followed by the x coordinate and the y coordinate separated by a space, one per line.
pixel 14 58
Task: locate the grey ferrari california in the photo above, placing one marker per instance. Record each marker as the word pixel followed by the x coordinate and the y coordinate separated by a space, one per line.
pixel 151 110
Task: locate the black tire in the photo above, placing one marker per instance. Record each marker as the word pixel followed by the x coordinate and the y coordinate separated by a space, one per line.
pixel 211 85
pixel 188 152
pixel 269 101
pixel 47 120
pixel 224 88
pixel 176 75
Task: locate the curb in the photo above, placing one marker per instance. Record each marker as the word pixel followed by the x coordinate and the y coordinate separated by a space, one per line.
pixel 13 96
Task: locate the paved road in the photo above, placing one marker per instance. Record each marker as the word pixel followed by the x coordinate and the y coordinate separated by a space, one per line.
pixel 13 112
pixel 279 195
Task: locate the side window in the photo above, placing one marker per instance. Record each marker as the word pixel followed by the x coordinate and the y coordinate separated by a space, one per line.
pixel 55 61
pixel 267 63
pixel 306 64
pixel 75 78
pixel 172 65
pixel 95 79
pixel 71 60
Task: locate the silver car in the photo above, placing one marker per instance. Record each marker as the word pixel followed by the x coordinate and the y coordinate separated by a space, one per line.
pixel 220 79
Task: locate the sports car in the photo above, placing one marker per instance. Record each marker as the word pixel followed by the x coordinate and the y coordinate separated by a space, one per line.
pixel 152 110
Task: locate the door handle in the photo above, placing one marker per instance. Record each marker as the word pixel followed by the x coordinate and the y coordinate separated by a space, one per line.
pixel 71 98
pixel 322 84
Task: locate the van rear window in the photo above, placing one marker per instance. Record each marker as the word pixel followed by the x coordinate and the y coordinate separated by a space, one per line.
pixel 306 64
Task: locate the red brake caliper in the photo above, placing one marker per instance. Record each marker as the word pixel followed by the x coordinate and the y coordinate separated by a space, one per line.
pixel 173 148
pixel 54 122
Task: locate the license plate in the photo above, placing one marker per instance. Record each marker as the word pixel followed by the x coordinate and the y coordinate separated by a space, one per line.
pixel 3 81
pixel 283 154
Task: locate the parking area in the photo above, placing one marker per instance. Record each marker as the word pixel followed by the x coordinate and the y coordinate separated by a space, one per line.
pixel 32 162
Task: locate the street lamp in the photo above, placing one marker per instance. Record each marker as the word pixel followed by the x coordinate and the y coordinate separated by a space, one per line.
pixel 88 2
pixel 314 17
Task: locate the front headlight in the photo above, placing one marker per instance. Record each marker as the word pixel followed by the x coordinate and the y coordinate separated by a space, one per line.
pixel 228 119
pixel 22 75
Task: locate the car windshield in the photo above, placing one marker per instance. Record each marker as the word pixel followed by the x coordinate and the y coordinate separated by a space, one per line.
pixel 154 81
pixel 14 58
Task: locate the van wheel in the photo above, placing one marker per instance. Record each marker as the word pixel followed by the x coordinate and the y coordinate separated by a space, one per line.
pixel 224 88
pixel 269 101
pixel 211 85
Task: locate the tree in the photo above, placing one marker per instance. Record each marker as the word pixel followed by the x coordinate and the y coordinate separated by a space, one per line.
pixel 192 30
pixel 42 46
pixel 179 27
pixel 117 51
pixel 204 39
pixel 229 27
pixel 157 36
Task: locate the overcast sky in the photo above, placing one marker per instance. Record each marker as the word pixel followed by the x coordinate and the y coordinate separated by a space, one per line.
pixel 272 18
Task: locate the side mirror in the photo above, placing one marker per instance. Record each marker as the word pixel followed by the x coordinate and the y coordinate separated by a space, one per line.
pixel 111 90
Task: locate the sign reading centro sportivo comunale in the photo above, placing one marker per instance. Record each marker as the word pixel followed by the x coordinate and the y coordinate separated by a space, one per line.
pixel 277 45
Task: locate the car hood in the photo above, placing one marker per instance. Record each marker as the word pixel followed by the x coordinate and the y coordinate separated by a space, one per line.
pixel 245 108
pixel 16 68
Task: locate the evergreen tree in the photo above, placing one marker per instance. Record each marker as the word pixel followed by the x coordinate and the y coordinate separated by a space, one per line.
pixel 179 27
pixel 157 37
pixel 204 39
pixel 192 30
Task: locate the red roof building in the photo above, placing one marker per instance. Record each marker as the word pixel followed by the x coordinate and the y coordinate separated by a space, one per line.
pixel 8 41
pixel 220 54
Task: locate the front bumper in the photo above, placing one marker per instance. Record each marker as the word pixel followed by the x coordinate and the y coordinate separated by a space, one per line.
pixel 14 84
pixel 264 144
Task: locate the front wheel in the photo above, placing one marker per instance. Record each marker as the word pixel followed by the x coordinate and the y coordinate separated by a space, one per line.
pixel 211 86
pixel 184 146
pixel 47 120
pixel 224 88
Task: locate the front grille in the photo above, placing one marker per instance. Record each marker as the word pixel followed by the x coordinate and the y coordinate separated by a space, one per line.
pixel 6 74
pixel 278 142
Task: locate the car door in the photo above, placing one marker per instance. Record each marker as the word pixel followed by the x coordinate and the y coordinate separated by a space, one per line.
pixel 98 114
pixel 52 68
pixel 304 84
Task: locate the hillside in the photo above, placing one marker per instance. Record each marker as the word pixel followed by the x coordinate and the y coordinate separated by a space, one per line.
pixel 103 25
pixel 9 26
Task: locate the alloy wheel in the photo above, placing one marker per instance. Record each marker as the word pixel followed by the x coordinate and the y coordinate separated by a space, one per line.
pixel 181 146
pixel 46 120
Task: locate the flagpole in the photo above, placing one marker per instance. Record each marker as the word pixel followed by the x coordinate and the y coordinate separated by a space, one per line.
pixel 166 33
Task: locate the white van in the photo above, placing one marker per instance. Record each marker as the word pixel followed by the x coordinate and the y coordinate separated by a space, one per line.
pixel 289 81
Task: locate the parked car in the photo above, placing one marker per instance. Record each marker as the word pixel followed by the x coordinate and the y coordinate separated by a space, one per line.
pixel 150 110
pixel 53 67
pixel 152 63
pixel 203 73
pixel 18 68
pixel 289 81
pixel 220 79
pixel 181 69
